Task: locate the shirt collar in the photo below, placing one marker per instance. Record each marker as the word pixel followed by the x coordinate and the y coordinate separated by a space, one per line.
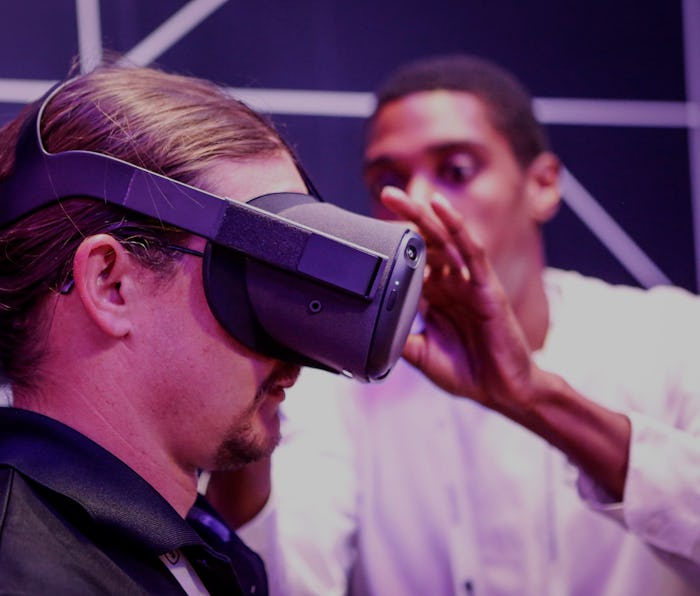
pixel 67 462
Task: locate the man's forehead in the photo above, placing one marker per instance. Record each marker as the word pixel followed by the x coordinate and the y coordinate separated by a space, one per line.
pixel 428 119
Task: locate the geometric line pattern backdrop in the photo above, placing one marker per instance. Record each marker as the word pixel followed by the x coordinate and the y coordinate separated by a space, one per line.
pixel 173 28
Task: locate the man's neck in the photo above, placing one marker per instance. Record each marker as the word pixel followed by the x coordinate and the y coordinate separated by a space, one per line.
pixel 126 440
pixel 527 295
pixel 533 314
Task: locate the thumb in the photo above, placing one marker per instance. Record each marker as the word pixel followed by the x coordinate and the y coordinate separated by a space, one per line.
pixel 414 349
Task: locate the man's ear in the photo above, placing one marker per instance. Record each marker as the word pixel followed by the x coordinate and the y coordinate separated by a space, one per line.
pixel 543 191
pixel 103 271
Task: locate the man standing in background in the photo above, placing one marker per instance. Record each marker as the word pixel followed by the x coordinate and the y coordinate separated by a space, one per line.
pixel 548 440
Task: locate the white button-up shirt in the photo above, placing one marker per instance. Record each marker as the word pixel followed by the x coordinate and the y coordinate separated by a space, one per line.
pixel 402 490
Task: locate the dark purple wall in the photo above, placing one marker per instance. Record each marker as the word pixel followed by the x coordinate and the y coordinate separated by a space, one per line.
pixel 616 49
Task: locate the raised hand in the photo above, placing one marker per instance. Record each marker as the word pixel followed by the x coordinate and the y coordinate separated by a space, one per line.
pixel 472 344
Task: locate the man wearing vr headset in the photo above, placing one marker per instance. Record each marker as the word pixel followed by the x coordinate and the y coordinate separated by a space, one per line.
pixel 582 480
pixel 120 261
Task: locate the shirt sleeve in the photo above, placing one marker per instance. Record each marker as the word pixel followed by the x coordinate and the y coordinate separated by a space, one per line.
pixel 662 493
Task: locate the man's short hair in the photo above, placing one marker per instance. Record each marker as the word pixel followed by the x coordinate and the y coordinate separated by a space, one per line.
pixel 174 125
pixel 506 99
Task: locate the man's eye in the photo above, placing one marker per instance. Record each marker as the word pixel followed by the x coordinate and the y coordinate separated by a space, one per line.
pixel 459 169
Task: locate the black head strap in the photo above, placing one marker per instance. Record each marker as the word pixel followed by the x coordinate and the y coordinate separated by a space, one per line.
pixel 41 178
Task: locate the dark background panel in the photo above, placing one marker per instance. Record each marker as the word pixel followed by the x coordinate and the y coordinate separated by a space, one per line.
pixel 641 177
pixel 331 150
pixel 126 23
pixel 37 39
pixel 9 111
pixel 570 245
pixel 617 49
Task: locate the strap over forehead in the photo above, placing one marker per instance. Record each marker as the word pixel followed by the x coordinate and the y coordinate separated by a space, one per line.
pixel 41 178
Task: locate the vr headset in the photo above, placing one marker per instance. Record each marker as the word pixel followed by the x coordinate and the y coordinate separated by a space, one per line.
pixel 286 274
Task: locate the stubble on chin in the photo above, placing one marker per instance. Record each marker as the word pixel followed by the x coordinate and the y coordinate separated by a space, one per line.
pixel 240 445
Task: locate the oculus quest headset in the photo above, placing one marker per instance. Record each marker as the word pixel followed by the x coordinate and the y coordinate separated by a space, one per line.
pixel 286 274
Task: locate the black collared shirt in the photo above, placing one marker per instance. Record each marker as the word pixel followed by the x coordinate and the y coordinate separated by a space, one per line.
pixel 74 519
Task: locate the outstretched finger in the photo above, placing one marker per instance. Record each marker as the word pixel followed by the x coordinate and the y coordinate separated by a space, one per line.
pixel 469 249
pixel 418 212
pixel 441 249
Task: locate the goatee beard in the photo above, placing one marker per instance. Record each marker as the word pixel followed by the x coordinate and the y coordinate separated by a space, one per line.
pixel 240 447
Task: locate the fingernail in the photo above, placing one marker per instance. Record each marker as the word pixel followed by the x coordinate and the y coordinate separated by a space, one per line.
pixel 438 198
pixel 393 191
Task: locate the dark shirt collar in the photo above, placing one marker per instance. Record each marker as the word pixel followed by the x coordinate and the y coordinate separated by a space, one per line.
pixel 67 462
